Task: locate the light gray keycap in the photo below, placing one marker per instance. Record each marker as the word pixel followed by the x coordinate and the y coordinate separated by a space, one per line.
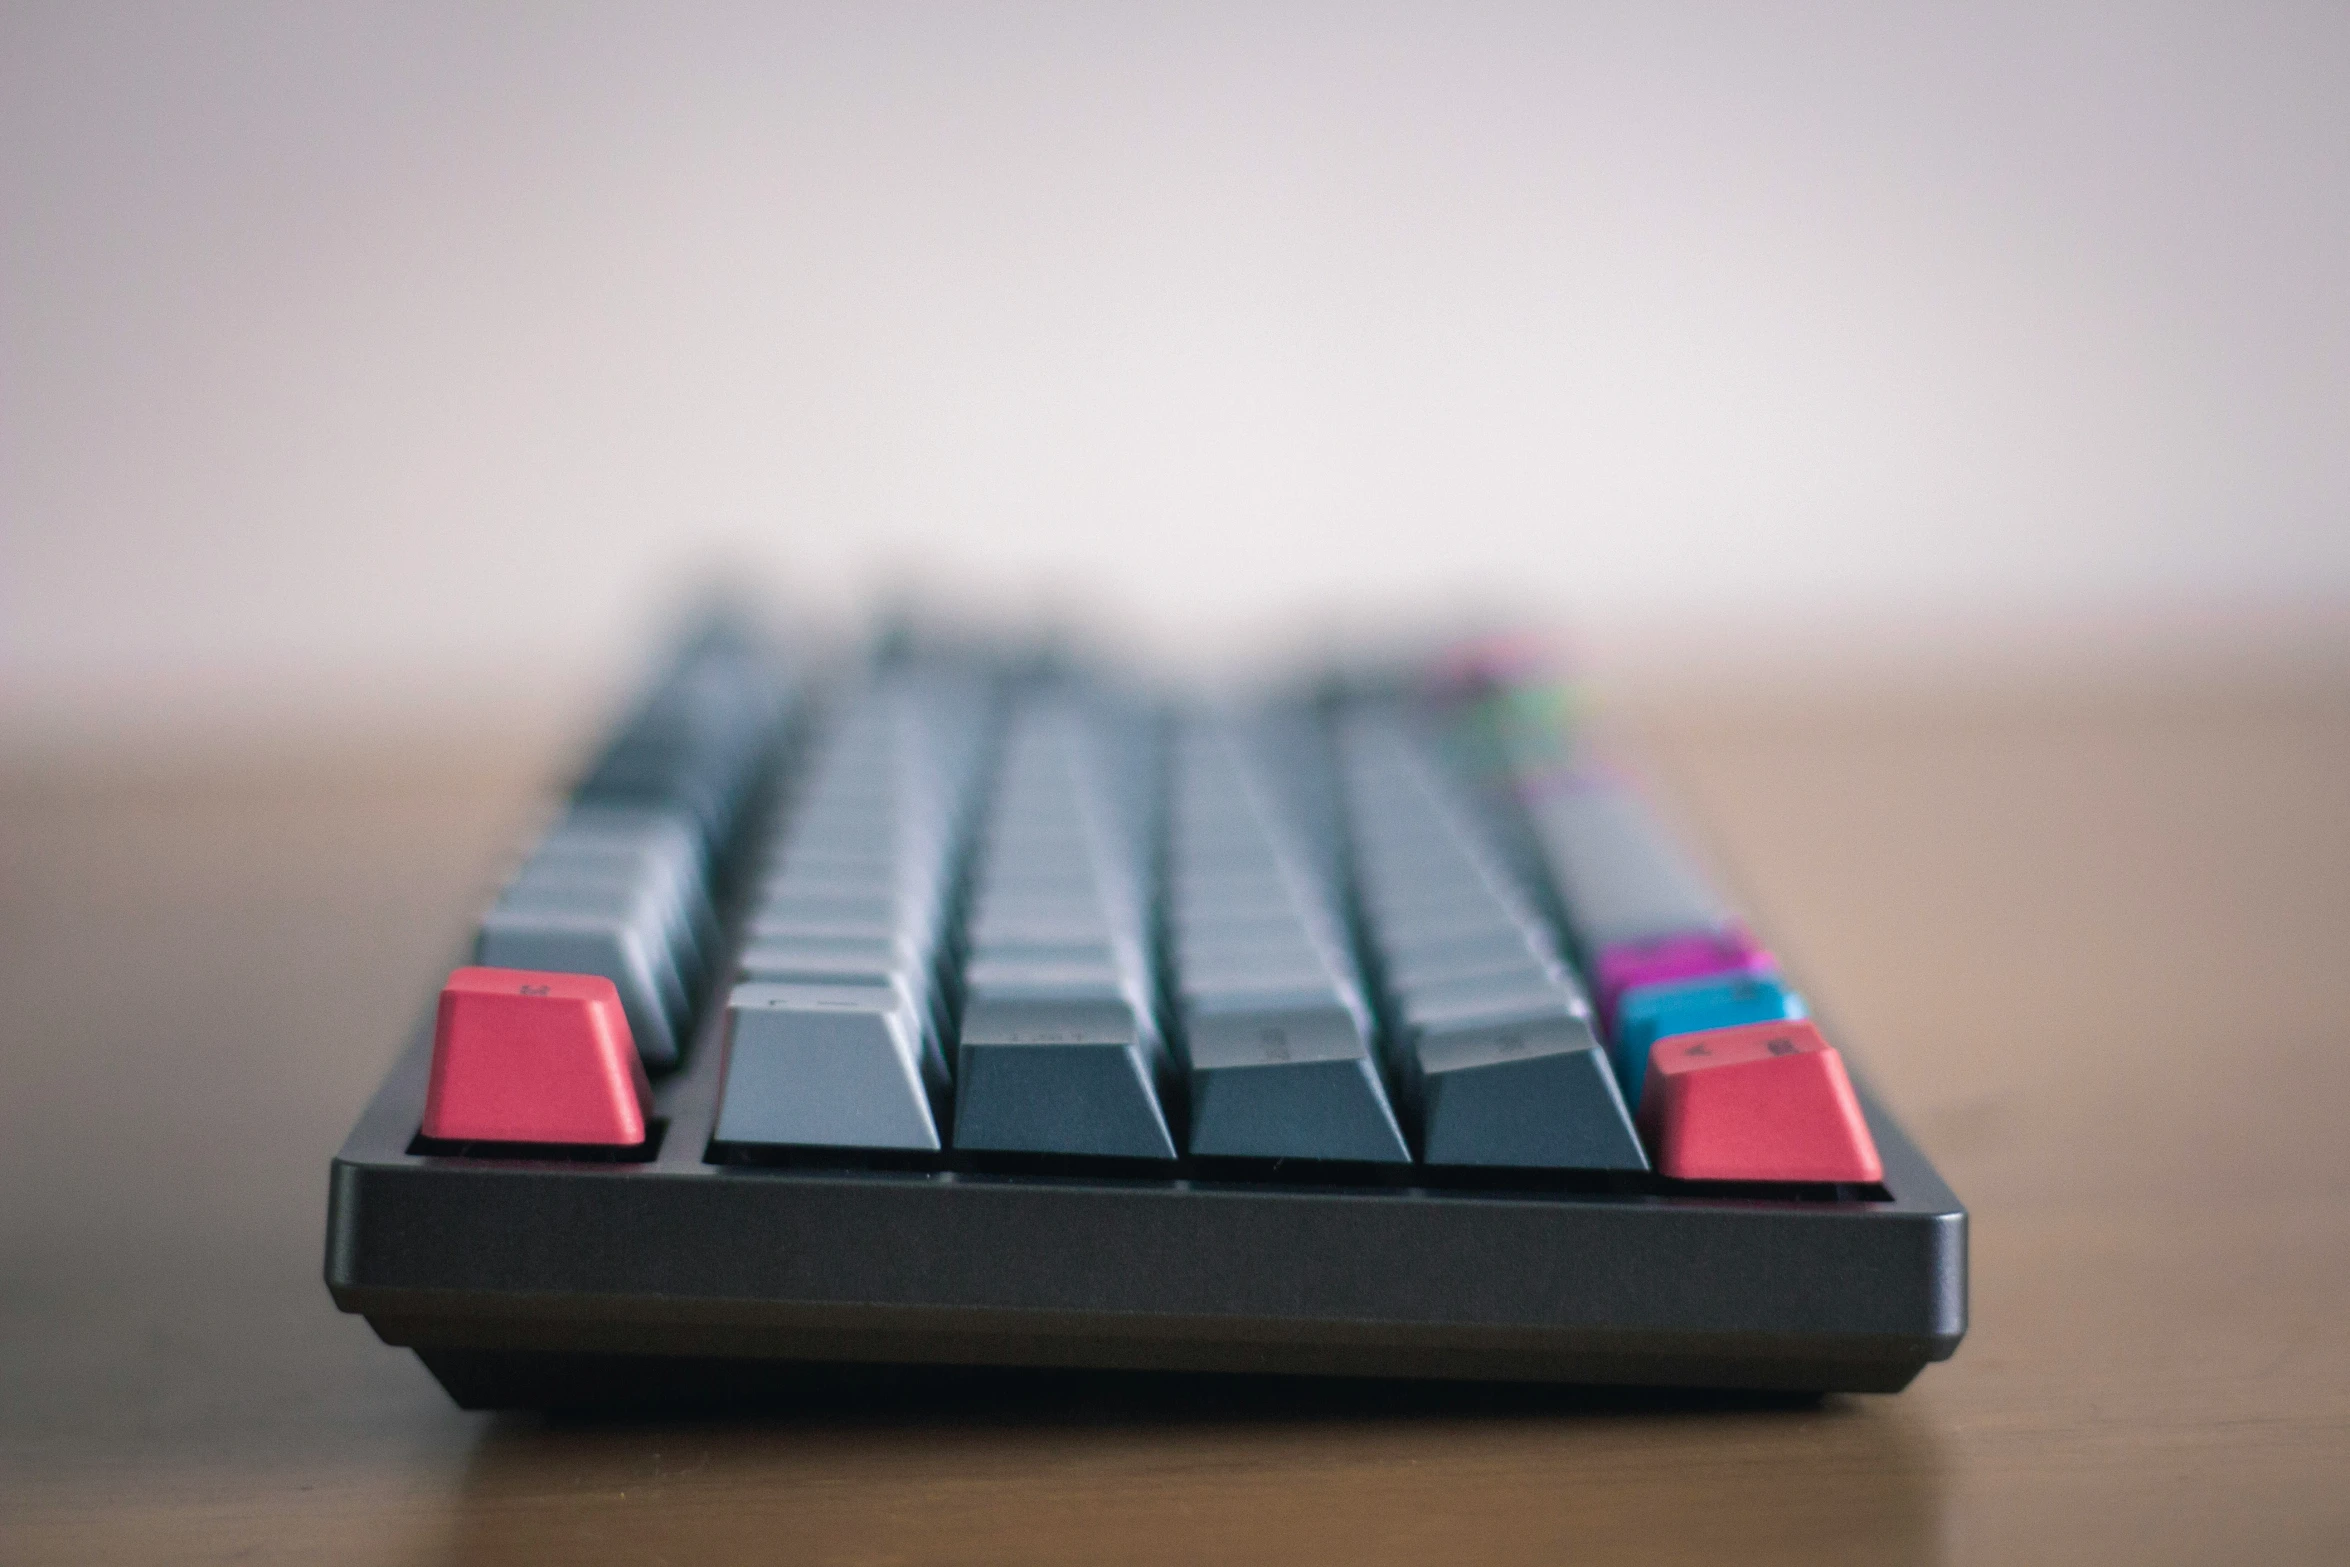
pixel 678 881
pixel 1070 928
pixel 1469 959
pixel 609 890
pixel 792 927
pixel 1061 1076
pixel 1288 1082
pixel 639 905
pixel 1015 950
pixel 1104 992
pixel 610 945
pixel 1622 877
pixel 1528 992
pixel 824 1066
pixel 880 907
pixel 879 950
pixel 1413 932
pixel 1533 1093
pixel 786 965
pixel 1027 973
pixel 671 834
pixel 1276 993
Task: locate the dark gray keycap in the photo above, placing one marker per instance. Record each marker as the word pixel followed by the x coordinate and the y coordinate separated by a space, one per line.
pixel 1057 986
pixel 825 1066
pixel 1061 1076
pixel 1536 1093
pixel 1289 1082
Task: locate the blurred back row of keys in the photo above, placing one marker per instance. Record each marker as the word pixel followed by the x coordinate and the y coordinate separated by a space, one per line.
pixel 835 1026
pixel 1489 1032
pixel 1059 1050
pixel 620 885
pixel 1274 1021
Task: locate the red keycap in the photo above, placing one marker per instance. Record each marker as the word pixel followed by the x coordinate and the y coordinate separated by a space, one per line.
pixel 524 1057
pixel 1760 1102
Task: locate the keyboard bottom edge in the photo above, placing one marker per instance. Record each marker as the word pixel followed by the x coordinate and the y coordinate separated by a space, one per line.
pixel 506 1365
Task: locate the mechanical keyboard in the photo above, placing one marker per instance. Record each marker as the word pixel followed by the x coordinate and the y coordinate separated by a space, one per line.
pixel 956 1007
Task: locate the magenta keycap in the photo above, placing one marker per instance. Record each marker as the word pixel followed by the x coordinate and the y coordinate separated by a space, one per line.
pixel 1697 954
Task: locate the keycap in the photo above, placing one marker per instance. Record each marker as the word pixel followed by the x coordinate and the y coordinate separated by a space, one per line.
pixel 1044 973
pixel 1529 992
pixel 1293 1082
pixel 865 954
pixel 642 907
pixel 1762 1102
pixel 1493 1040
pixel 675 881
pixel 614 946
pixel 1648 1013
pixel 832 1066
pixel 1515 954
pixel 1059 1076
pixel 1535 1092
pixel 695 744
pixel 1660 960
pixel 1622 877
pixel 668 834
pixel 774 965
pixel 1059 1052
pixel 524 1057
pixel 1403 962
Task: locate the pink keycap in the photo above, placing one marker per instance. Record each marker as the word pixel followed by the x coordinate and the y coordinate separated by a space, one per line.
pixel 524 1057
pixel 1759 1102
pixel 1683 955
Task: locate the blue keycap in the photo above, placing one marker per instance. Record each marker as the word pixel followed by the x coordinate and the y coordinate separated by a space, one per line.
pixel 1648 1013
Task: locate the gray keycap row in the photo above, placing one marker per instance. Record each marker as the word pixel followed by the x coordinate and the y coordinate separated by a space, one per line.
pixel 853 949
pixel 620 885
pixel 1276 1031
pixel 835 1027
pixel 1490 1032
pixel 1059 1050
pixel 1622 877
pixel 697 744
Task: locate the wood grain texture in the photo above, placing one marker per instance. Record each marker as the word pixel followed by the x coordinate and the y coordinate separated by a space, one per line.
pixel 2092 944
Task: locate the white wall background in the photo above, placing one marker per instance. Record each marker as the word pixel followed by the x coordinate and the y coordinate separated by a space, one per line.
pixel 357 345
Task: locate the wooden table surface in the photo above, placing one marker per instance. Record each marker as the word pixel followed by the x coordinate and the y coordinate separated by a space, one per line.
pixel 2095 942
